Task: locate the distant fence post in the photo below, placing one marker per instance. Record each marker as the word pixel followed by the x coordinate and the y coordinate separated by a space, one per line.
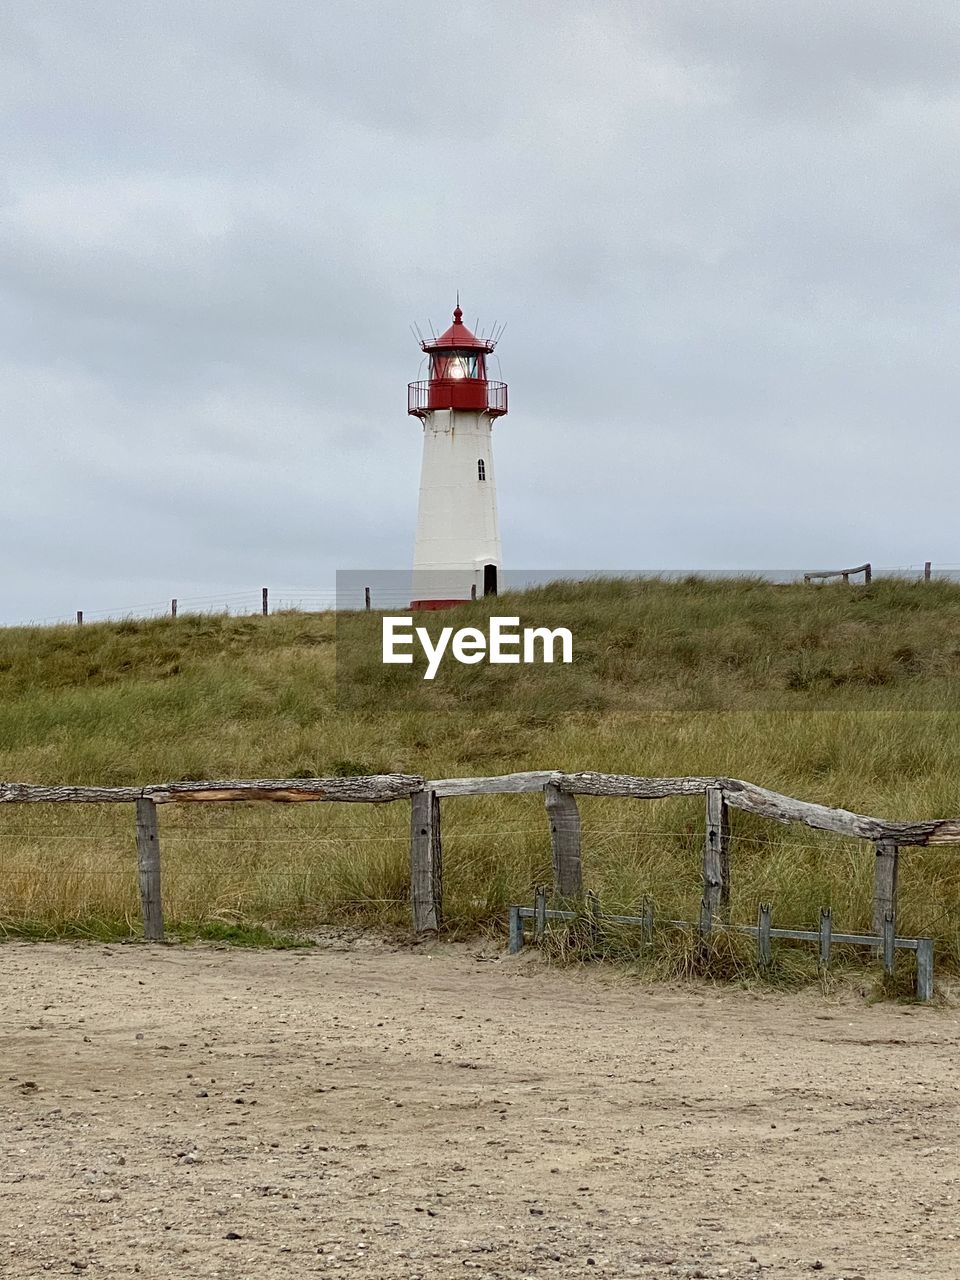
pixel 79 617
pixel 716 853
pixel 173 607
pixel 885 884
pixel 426 862
pixel 265 601
pixel 564 818
pixel 366 598
pixel 927 566
pixel 148 862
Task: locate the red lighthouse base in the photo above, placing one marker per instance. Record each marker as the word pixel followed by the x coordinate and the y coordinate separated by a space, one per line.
pixel 425 605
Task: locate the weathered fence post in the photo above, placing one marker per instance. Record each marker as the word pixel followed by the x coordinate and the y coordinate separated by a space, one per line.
pixel 564 818
pixel 539 913
pixel 924 968
pixel 885 884
pixel 515 944
pixel 716 853
pixel 764 950
pixel 826 936
pixel 264 601
pixel 79 617
pixel 148 864
pixel 366 598
pixel 927 566
pixel 889 942
pixel 173 608
pixel 867 574
pixel 426 862
pixel 705 919
pixel 647 921
pixel 594 918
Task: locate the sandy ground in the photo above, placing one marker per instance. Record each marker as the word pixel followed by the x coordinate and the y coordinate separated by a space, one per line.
pixel 388 1113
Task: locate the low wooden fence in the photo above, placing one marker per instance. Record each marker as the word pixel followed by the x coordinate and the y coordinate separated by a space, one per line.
pixel 589 913
pixel 562 815
pixel 865 569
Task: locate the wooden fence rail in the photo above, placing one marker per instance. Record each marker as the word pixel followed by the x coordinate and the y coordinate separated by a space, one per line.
pixel 865 569
pixel 376 789
pixel 559 791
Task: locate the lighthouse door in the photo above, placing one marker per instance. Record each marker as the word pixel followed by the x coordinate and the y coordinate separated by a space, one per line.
pixel 489 579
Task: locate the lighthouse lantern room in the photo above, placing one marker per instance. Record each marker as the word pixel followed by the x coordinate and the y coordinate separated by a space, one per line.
pixel 457 554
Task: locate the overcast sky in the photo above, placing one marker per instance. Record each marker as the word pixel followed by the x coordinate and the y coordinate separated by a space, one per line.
pixel 722 235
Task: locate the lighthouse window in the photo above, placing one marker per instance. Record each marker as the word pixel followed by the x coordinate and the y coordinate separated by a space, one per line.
pixel 481 469
pixel 461 365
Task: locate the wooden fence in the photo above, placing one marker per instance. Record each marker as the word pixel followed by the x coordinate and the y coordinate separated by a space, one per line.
pixel 559 790
pixel 865 569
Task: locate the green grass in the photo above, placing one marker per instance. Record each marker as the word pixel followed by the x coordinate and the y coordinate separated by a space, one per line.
pixel 843 695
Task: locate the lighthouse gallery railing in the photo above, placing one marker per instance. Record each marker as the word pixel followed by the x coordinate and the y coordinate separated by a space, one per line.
pixel 477 394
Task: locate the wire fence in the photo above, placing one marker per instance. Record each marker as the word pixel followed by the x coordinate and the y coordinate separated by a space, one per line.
pixel 301 867
pixel 385 591
pixel 236 603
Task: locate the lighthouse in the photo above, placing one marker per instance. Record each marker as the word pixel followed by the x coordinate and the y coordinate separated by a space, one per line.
pixel 457 554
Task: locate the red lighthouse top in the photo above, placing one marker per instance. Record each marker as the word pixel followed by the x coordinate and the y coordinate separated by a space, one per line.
pixel 459 336
pixel 458 374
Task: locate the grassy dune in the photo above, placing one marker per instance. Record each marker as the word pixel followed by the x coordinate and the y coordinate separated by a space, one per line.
pixel 843 695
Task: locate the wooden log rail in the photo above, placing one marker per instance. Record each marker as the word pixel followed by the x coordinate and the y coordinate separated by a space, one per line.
pixel 369 790
pixel 865 569
pixel 559 791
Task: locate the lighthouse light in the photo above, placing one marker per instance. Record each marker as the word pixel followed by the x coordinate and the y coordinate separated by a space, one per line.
pixel 457 365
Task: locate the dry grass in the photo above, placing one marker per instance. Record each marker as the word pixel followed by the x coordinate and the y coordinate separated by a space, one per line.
pixel 842 695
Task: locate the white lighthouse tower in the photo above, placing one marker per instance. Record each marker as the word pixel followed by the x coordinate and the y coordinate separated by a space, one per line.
pixel 457 554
